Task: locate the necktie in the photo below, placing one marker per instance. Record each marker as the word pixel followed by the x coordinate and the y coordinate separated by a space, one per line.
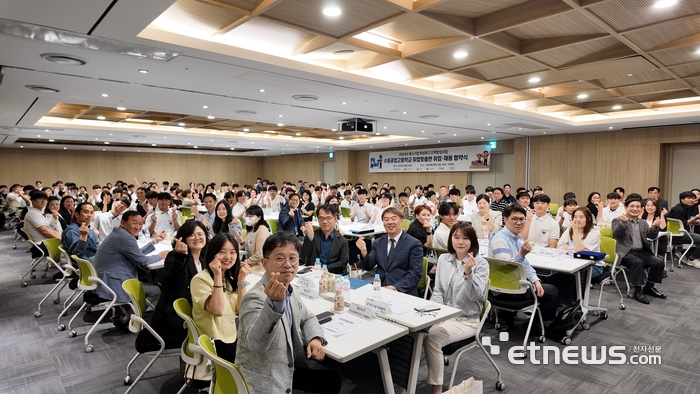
pixel 393 244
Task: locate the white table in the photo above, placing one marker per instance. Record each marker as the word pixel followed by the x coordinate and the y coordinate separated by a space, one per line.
pixel 159 247
pixel 464 218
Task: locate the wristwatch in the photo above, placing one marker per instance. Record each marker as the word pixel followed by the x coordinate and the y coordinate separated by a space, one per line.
pixel 243 284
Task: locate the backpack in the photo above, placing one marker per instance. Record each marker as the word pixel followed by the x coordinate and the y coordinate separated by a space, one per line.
pixel 565 323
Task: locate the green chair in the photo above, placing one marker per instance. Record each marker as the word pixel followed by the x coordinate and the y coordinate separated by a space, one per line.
pixel 273 225
pixel 467 344
pixel 38 255
pixel 138 305
pixel 607 246
pixel 54 258
pixel 88 282
pixel 508 277
pixel 243 228
pixel 606 232
pixel 677 230
pixel 186 212
pixel 345 212
pixel 68 267
pixel 424 282
pixel 189 351
pixel 227 378
pixel 553 208
pixel 405 224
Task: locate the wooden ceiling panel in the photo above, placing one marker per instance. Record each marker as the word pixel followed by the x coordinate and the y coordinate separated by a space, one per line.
pixel 546 78
pixel 478 51
pixel 562 56
pixel 243 4
pixel 356 14
pixel 473 8
pixel 682 55
pixel 412 27
pixel 663 86
pixel 650 38
pixel 675 95
pixel 404 70
pixel 566 24
pixel 627 14
pixel 636 78
pixel 508 68
pixel 619 68
pixel 687 70
pixel 200 16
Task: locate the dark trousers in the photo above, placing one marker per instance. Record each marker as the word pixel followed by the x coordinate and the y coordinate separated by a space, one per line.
pixel 548 303
pixel 227 351
pixel 637 261
pixel 321 381
pixel 685 239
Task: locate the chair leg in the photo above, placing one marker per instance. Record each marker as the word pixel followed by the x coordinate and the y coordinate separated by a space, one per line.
pixel 53 289
pixel 32 268
pixel 148 366
pixel 88 347
pixel 70 323
pixel 66 305
pixel 127 379
pixel 182 389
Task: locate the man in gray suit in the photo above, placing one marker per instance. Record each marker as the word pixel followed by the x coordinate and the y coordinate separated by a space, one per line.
pixel 325 243
pixel 278 335
pixel 631 235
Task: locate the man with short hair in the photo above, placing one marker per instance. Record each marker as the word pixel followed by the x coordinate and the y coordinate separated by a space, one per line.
pixel 448 212
pixel 469 201
pixel 613 210
pixel 36 225
pixel 207 218
pixel 653 193
pixel 417 198
pixel 506 194
pixel 163 218
pixel 15 198
pixel 498 203
pixel 275 201
pixel 455 196
pixel 277 334
pixel 384 203
pixel 621 191
pixel 523 199
pixel 543 230
pixel 489 192
pixel 363 211
pixel 140 203
pixel 106 222
pixel 397 255
pixel 346 202
pixel 631 235
pixel 442 195
pixel 326 243
pixel 507 244
pixel 291 218
pixel 687 212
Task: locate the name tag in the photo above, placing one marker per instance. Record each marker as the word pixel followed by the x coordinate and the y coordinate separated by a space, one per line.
pixel 362 312
pixel 306 282
pixel 378 306
pixel 309 293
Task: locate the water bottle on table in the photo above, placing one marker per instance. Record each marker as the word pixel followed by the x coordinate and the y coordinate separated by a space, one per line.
pixel 377 286
pixel 317 264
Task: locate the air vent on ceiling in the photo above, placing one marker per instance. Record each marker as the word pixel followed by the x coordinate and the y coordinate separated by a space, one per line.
pixel 246 112
pixel 42 89
pixel 305 97
pixel 429 116
pixel 64 60
pixel 521 126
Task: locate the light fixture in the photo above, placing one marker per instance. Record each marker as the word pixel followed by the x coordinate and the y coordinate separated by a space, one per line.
pixel 422 131
pixel 305 97
pixel 205 106
pixel 298 134
pixel 378 133
pixel 280 124
pixel 153 144
pixel 42 89
pixel 52 140
pixel 211 117
pixel 64 60
pixel 482 138
pixel 460 54
pixel 664 3
pixel 341 138
pixel 334 129
pixel 105 95
pixel 617 107
pixel 143 71
pixel 181 124
pixel 280 116
pixel 246 129
pixel 384 127
pixel 104 149
pixel 101 117
pixel 261 90
pixel 454 135
pixel 344 103
pixel 630 75
pixel 488 124
pixel 138 120
pixel 534 80
pixel 64 148
pixel 404 112
pixel 332 10
pixel 233 148
pixel 610 128
pixel 582 96
pixel 111 134
pixel 121 108
pixel 106 142
pixel 195 147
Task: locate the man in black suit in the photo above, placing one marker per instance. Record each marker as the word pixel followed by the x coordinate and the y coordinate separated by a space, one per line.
pixel 653 193
pixel 397 255
pixel 326 243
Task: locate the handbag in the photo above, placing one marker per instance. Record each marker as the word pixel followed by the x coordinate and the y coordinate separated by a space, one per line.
pixel 192 373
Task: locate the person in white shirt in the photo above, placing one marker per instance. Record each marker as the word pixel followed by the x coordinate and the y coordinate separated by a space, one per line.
pixel 51 213
pixel 454 196
pixel 347 199
pixel 469 201
pixel 563 217
pixel 96 194
pixel 317 196
pixel 363 211
pixel 164 218
pixel 613 209
pixel 448 212
pixel 263 200
pixel 105 222
pixel 15 198
pixel 384 203
pixel 417 198
pixel 275 200
pixel 36 225
pixel 543 230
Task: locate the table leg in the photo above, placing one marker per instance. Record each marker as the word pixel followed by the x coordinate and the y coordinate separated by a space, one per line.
pixel 587 293
pixel 415 362
pixel 385 370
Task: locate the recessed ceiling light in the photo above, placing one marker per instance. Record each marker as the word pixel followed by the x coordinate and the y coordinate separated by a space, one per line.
pixel 165 137
pixel 438 141
pixel 341 138
pixel 482 138
pixel 42 89
pixel 205 106
pixel 46 130
pixel 211 117
pixel 111 134
pixel 344 103
pixel 298 134
pixel 630 75
pixel 610 128
pixel 384 127
pixel 488 124
pixel 617 107
pixel 95 139
pixel 64 60
pixel 534 80
pixel 305 97
pixel 181 124
pixel 64 148
pixel 106 142
pixel 698 51
pixel 245 112
pixel 153 144
pixel 233 148
pixel 582 96
pixel 378 133
pixel 404 112
pixel 195 147
pixel 22 146
pixel 261 90
pixel 139 150
pixel 246 129
pixel 332 11
pixel 280 124
pixel 52 140
pixel 422 131
pixel 460 54
pixel 280 116
pixel 104 149
pixel 334 129
pixel 121 108
pixel 101 117
pixel 544 132
pixel 105 95
pixel 664 3
pixel 454 135
pixel 212 140
pixel 143 71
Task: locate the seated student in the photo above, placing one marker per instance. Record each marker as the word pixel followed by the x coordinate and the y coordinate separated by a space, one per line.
pixel 612 210
pixel 52 215
pixel 656 216
pixel 238 211
pixel 118 258
pixel 326 243
pixel 383 204
pixel 291 217
pixel 347 199
pixel 66 210
pixel 307 207
pixel 223 221
pixel 397 256
pixel 485 221
pixel 498 203
pixel 181 265
pixel 432 202
pixel 581 235
pixel 635 253
pixel 105 204
pixel 564 213
pixel 523 199
pixel 653 194
pixel 687 212
pixel 275 201
pixel 78 238
pixel 105 222
pixel 421 229
pixel 454 196
pixel 363 211
pixel 217 291
pixel 36 225
pixel 595 205
pixel 163 218
pixel 507 244
pixel 416 199
pixel 404 206
pixel 207 218
pixel 543 230
pixel 461 282
pixel 510 199
pixel 277 334
pixel 257 232
pixel 448 212
pixel 621 191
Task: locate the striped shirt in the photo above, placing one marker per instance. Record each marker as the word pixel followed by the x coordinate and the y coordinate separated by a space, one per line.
pixel 505 245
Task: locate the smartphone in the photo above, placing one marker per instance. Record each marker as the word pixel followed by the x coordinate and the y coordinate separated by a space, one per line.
pixel 305 270
pixel 324 317
pixel 427 309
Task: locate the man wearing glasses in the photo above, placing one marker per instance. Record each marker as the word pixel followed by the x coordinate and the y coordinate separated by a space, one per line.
pixel 507 244
pixel 278 336
pixel 326 243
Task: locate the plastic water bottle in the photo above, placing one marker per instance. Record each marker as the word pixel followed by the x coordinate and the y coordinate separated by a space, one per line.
pixel 571 248
pixel 325 268
pixel 377 286
pixel 346 288
pixel 317 265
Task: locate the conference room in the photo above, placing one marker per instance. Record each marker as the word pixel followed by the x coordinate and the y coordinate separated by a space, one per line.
pixel 567 96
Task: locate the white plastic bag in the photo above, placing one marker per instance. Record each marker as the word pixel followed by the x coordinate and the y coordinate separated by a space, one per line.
pixel 469 386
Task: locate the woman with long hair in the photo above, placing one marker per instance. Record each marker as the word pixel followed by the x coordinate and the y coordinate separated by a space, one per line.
pixel 66 210
pixel 257 232
pixel 421 229
pixel 307 206
pixel 655 216
pixel 223 218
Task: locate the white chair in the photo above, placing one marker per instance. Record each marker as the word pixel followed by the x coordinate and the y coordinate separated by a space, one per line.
pixel 677 230
pixel 68 267
pixel 54 258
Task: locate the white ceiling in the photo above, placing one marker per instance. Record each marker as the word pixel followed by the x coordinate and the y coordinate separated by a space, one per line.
pixel 227 83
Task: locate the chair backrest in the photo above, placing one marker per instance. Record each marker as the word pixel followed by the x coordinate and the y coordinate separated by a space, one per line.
pixel 553 208
pixel 345 212
pixel 424 277
pixel 439 252
pixel 607 246
pixel 86 270
pixel 137 298
pixel 227 378
pixel 64 254
pixel 186 211
pixel 507 276
pixel 606 232
pixel 273 225
pixel 184 310
pixel 405 224
pixel 487 305
pixel 52 244
pixel 674 226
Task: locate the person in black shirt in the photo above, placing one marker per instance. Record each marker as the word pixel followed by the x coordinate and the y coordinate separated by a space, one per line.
pixel 687 212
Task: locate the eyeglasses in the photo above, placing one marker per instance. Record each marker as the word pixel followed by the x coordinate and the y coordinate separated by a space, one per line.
pixel 197 236
pixel 518 220
pixel 325 218
pixel 294 260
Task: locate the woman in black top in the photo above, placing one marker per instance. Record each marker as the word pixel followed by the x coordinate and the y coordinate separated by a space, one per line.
pixel 307 207
pixel 223 218
pixel 593 201
pixel 105 204
pixel 421 229
pixel 66 210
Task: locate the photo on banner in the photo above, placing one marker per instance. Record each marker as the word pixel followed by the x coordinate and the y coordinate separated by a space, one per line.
pixel 463 158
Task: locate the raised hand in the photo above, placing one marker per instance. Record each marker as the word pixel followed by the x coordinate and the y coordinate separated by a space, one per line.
pixel 217 268
pixel 361 245
pixel 244 271
pixel 160 236
pixel 469 263
pixel 275 290
pixel 624 218
pixel 84 230
pixel 180 247
pixel 291 212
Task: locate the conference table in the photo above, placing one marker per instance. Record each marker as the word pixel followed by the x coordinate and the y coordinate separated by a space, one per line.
pixel 357 230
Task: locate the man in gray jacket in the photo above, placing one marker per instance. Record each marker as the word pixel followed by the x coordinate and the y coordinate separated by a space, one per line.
pixel 277 333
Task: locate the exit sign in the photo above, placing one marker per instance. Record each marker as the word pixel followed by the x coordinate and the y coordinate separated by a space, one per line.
pixel 493 144
pixel 330 155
